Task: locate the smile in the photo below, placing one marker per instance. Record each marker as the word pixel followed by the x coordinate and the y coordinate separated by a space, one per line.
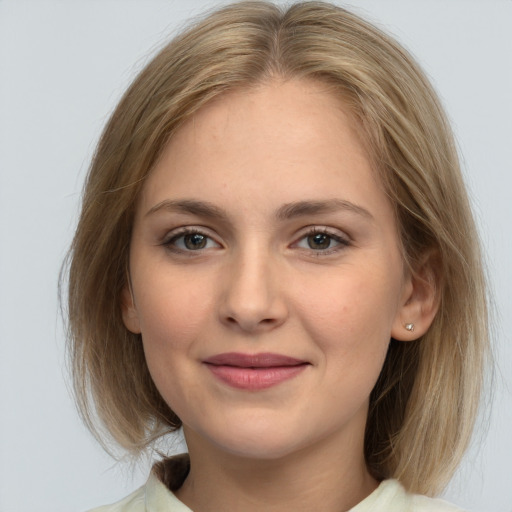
pixel 254 372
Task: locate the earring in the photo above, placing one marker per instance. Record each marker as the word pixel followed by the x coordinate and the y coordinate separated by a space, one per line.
pixel 409 327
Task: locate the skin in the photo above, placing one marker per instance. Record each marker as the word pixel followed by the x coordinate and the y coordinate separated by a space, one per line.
pixel 260 282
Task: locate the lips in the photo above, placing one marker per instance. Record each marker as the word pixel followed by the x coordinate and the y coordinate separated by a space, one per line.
pixel 254 371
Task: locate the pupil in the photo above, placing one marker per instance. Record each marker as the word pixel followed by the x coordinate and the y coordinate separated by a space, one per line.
pixel 319 241
pixel 195 241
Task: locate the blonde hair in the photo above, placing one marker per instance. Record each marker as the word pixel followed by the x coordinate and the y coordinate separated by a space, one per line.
pixel 423 408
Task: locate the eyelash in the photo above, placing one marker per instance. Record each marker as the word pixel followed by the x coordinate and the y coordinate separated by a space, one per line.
pixel 342 242
pixel 170 241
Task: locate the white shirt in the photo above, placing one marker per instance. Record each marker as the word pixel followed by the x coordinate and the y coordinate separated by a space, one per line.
pixel 390 496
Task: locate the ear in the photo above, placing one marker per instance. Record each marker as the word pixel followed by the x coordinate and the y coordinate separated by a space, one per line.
pixel 420 299
pixel 129 311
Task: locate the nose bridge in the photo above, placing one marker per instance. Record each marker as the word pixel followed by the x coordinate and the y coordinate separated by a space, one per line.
pixel 253 296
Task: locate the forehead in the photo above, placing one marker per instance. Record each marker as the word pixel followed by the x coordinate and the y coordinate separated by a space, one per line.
pixel 276 141
pixel 288 112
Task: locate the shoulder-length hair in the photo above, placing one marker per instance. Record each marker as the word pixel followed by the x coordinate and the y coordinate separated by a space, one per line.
pixel 423 407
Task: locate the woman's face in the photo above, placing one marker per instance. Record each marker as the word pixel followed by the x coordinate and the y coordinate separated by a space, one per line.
pixel 266 273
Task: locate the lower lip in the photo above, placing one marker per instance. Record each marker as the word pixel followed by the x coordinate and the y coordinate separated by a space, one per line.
pixel 254 379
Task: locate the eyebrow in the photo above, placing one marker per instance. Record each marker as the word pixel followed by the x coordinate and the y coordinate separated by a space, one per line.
pixel 305 208
pixel 286 212
pixel 190 206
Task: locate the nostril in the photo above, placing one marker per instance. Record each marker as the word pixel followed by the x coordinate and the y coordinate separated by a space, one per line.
pixel 250 324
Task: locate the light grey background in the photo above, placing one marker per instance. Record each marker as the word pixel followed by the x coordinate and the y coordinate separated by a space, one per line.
pixel 63 66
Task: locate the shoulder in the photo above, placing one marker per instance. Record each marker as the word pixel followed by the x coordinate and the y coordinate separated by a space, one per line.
pixel 156 495
pixel 152 497
pixel 425 504
pixel 390 495
pixel 132 503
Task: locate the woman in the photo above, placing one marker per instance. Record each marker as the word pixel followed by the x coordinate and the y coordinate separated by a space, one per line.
pixel 276 252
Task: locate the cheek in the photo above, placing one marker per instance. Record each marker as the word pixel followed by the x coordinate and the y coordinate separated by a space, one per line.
pixel 169 301
pixel 172 314
pixel 161 316
pixel 352 315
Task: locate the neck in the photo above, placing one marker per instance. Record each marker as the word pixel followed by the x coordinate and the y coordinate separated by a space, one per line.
pixel 321 474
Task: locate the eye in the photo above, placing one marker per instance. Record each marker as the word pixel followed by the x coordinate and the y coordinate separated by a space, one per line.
pixel 322 241
pixel 319 241
pixel 190 240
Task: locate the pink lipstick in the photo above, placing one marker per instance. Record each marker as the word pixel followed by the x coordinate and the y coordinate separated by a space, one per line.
pixel 254 371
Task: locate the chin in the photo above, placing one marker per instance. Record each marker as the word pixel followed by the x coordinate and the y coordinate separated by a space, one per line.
pixel 256 442
pixel 259 449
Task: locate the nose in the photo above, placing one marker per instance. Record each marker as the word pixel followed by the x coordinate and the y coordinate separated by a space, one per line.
pixel 253 300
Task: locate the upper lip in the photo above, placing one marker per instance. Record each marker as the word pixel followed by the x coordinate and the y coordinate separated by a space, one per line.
pixel 262 360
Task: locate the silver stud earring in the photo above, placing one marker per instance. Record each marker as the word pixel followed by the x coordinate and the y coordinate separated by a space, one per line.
pixel 409 327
